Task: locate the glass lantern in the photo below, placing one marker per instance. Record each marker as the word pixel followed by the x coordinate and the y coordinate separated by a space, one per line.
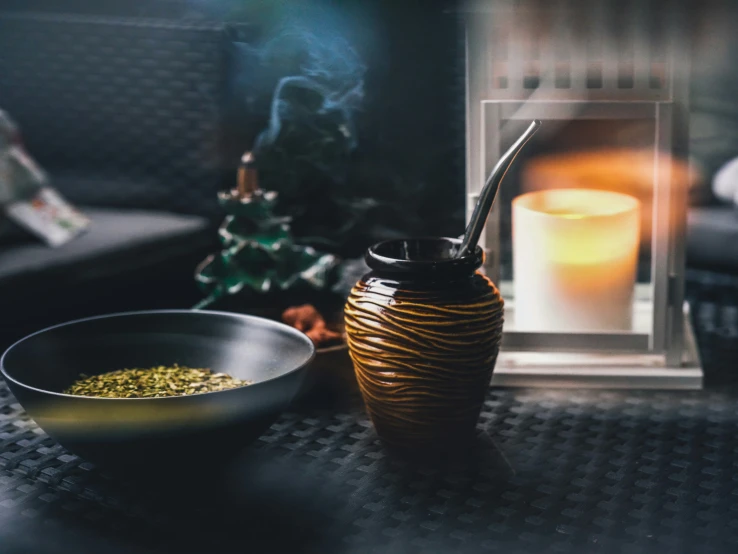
pixel 586 240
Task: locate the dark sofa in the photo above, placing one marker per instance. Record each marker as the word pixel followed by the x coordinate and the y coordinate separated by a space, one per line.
pixel 125 115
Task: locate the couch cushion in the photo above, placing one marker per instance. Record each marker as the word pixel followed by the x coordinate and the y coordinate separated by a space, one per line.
pixel 112 189
pixel 133 97
pixel 117 241
pixel 712 237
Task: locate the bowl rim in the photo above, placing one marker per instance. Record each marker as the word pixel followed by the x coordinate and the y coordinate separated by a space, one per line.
pixel 289 329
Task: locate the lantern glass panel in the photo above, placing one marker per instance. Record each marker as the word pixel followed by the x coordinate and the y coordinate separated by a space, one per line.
pixel 611 152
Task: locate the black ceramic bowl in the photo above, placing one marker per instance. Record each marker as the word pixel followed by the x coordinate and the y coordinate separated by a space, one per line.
pixel 151 431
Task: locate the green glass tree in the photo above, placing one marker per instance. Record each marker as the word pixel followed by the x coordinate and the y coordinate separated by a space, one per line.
pixel 258 255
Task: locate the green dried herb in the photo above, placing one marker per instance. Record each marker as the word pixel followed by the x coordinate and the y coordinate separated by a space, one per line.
pixel 155 382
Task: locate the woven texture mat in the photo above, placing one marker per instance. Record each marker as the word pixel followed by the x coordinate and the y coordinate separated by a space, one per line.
pixel 553 471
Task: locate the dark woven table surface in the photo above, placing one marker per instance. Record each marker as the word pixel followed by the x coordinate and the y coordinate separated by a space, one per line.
pixel 553 471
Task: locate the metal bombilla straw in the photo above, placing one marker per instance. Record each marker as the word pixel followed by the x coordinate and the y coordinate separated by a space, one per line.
pixel 489 192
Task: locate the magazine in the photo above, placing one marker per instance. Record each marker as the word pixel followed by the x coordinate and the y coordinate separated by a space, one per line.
pixel 49 216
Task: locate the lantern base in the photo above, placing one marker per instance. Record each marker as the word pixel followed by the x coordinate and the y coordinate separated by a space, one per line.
pixel 600 369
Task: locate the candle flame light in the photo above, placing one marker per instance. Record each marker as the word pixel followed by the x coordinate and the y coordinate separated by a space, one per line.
pixel 634 172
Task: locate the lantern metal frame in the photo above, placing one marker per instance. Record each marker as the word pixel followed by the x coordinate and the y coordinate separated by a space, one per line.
pixel 661 352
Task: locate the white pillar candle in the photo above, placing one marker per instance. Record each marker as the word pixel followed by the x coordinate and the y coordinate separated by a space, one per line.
pixel 575 253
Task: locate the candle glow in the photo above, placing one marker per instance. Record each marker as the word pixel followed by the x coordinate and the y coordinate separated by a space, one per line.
pixel 575 253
